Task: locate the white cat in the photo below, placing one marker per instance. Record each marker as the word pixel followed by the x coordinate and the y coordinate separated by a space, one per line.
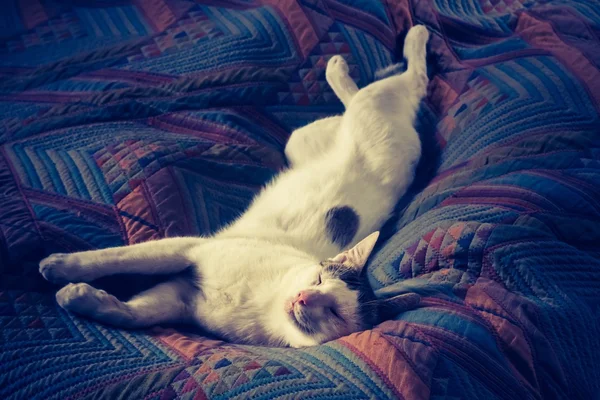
pixel 262 280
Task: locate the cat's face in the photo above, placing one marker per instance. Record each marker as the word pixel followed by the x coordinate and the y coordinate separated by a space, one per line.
pixel 326 302
pixel 334 299
pixel 281 296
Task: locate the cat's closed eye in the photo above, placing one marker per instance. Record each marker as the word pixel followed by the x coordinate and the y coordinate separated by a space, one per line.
pixel 334 312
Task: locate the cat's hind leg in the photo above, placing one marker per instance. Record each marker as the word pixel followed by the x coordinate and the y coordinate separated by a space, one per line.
pixel 400 95
pixel 314 139
pixel 338 77
pixel 415 52
pixel 164 256
pixel 380 120
pixel 163 303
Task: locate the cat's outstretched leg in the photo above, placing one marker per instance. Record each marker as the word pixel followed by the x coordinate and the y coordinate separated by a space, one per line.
pixel 380 120
pixel 400 95
pixel 155 257
pixel 338 77
pixel 166 302
pixel 415 52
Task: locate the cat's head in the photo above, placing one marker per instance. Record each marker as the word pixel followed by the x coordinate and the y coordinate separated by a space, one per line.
pixel 334 299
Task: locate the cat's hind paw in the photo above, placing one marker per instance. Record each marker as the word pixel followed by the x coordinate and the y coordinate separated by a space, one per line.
pixel 415 44
pixel 337 67
pixel 84 299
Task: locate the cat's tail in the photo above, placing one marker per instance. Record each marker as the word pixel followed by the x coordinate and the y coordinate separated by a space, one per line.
pixel 390 70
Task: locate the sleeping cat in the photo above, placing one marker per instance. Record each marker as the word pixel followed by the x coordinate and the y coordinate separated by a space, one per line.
pixel 288 271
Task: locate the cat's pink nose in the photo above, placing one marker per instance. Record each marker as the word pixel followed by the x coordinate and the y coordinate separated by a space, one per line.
pixel 302 298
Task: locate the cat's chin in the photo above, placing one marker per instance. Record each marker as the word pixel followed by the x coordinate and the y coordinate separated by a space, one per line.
pixel 298 336
pixel 301 325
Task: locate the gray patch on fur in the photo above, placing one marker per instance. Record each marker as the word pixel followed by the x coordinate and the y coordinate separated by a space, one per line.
pixel 342 225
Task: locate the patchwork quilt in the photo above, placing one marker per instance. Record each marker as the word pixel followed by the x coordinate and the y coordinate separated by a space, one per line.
pixel 123 121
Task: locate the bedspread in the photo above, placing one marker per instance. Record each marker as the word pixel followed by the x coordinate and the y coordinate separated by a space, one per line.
pixel 123 121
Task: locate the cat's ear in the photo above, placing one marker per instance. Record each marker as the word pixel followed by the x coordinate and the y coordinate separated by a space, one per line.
pixel 389 308
pixel 357 256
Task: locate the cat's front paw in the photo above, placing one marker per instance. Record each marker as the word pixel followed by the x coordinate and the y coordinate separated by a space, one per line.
pixel 62 268
pixel 336 66
pixel 83 299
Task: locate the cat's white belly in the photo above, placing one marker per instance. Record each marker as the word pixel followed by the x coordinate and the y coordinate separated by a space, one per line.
pixel 294 208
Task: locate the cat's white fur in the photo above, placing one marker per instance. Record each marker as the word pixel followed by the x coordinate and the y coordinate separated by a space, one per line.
pixel 250 274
